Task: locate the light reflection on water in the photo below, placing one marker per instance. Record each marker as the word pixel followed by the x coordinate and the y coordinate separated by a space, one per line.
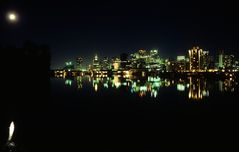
pixel 193 88
pixel 197 88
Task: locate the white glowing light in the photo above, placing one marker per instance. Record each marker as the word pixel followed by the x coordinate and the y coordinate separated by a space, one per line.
pixel 11 131
pixel 12 17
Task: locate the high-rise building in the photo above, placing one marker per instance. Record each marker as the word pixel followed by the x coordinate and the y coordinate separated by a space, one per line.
pixel 154 61
pixel 79 61
pixel 229 62
pixel 226 61
pixel 116 64
pixel 69 66
pixel 146 59
pixel 205 61
pixel 220 60
pixel 170 65
pixel 105 64
pixel 96 63
pixel 181 63
pixel 139 59
pixel 195 59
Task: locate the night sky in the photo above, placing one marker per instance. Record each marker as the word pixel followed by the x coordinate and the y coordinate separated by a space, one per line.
pixel 110 27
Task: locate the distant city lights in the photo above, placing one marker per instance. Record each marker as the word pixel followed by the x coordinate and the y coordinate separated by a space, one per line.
pixel 148 67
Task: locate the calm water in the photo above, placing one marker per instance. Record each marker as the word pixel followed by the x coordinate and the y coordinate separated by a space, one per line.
pixel 121 113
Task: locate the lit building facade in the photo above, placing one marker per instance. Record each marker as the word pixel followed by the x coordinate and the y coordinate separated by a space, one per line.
pixel 96 63
pixel 105 64
pixel 181 63
pixel 116 64
pixel 139 59
pixel 229 62
pixel 69 66
pixel 146 59
pixel 206 60
pixel 79 61
pixel 220 60
pixel 170 65
pixel 195 59
pixel 154 61
pixel 226 62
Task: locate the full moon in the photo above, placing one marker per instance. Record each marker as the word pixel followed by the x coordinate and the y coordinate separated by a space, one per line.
pixel 12 17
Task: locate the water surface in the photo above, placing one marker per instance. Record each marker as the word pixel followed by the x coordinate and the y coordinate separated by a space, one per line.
pixel 114 113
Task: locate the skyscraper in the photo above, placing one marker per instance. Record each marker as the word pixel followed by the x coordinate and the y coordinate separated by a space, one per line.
pixel 226 61
pixel 181 63
pixel 195 59
pixel 206 61
pixel 79 61
pixel 220 62
pixel 96 63
pixel 229 62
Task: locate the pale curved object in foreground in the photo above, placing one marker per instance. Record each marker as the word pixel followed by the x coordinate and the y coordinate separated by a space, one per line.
pixel 11 131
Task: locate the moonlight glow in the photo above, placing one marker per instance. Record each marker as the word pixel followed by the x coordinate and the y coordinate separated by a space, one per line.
pixel 12 17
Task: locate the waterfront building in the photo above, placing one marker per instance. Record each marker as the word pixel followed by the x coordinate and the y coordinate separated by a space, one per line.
pixel 181 63
pixel 105 64
pixel 69 66
pixel 195 59
pixel 220 60
pixel 170 65
pixel 116 64
pixel 79 61
pixel 96 63
pixel 229 62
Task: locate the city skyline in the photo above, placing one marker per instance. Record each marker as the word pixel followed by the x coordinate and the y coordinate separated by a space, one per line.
pixel 119 75
pixel 88 58
pixel 110 27
pixel 195 59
